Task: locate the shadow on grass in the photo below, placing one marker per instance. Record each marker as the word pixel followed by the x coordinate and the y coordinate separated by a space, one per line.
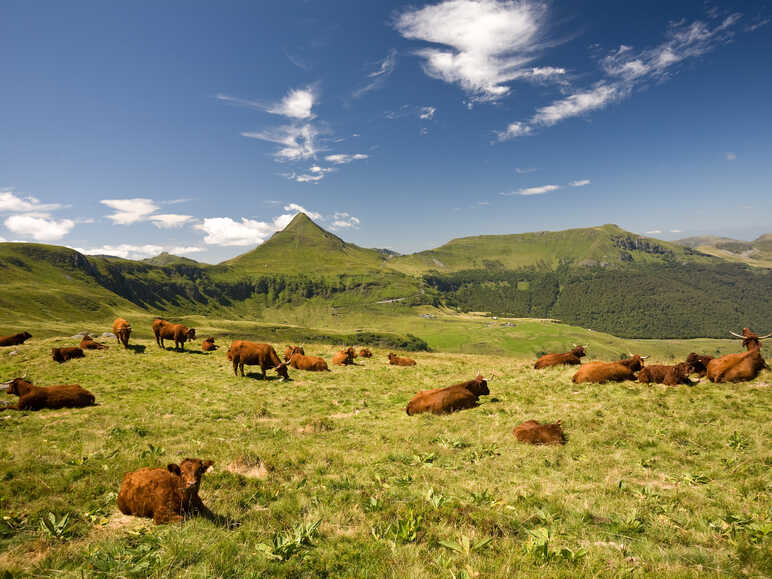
pixel 220 520
pixel 136 348
pixel 171 349
pixel 258 376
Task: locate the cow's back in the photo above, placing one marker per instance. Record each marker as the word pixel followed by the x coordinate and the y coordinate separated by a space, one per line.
pixel 145 491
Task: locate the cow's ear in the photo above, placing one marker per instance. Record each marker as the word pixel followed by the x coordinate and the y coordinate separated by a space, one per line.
pixel 174 469
pixel 206 464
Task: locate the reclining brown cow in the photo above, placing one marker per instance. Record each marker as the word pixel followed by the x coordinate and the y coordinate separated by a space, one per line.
pixel 395 360
pixel 61 355
pixel 668 375
pixel 208 345
pixel 739 367
pixel 344 357
pixel 308 363
pixel 164 494
pixel 289 350
pixel 122 331
pixel 365 353
pixel 33 397
pixel 449 399
pixel 601 372
pixel 699 363
pixel 569 358
pixel 255 354
pixel 88 343
pixel 534 432
pixel 15 339
pixel 180 333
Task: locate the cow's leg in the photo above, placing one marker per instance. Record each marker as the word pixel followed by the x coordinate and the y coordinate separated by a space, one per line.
pixel 235 366
pixel 263 369
pixel 241 367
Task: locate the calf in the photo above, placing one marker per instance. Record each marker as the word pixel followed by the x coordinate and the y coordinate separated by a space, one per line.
pixel 668 375
pixel 699 363
pixel 15 339
pixel 365 353
pixel 33 397
pixel 601 372
pixel 61 355
pixel 253 354
pixel 395 360
pixel 534 432
pixel 88 343
pixel 344 357
pixel 289 350
pixel 570 358
pixel 122 331
pixel 308 363
pixel 449 399
pixel 180 333
pixel 208 344
pixel 164 494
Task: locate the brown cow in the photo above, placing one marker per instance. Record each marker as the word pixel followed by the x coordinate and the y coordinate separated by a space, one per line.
pixel 449 399
pixel 15 339
pixel 61 355
pixel 88 343
pixel 395 360
pixel 750 340
pixel 344 357
pixel 365 353
pixel 308 363
pixel 208 344
pixel 668 375
pixel 736 367
pixel 253 354
pixel 698 363
pixel 600 372
pixel 289 350
pixel 33 397
pixel 571 358
pixel 122 331
pixel 180 333
pixel 534 432
pixel 165 494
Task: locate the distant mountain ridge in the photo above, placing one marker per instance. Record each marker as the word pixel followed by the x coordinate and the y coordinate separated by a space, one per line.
pixel 757 253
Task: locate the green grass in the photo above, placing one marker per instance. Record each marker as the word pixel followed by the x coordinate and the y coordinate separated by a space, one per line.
pixel 653 481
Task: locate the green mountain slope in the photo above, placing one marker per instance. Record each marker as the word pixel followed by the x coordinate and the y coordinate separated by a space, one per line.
pixel 603 246
pixel 757 253
pixel 166 259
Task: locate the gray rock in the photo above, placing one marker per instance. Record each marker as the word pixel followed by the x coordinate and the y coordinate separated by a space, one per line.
pixel 107 335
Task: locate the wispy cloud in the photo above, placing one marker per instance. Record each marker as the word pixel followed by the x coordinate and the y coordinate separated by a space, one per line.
pixel 344 221
pixel 541 190
pixel 730 156
pixel 297 142
pixel 752 27
pixel 39 227
pixel 170 220
pixel 654 232
pixel 12 203
pixel 297 104
pixel 343 159
pixel 378 77
pixel 314 175
pixel 426 113
pixel 625 70
pixel 579 183
pixel 487 43
pixel 128 211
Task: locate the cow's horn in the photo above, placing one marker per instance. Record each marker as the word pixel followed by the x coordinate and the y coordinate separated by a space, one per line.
pixel 764 337
pixel 736 335
pixel 493 374
pixel 644 357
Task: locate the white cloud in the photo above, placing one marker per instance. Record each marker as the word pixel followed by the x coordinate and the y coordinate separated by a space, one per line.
pixel 341 159
pixel 534 190
pixel 170 220
pixel 316 174
pixel 298 141
pixel 731 156
pixel 654 232
pixel 297 104
pixel 577 104
pixel 128 211
pixel 128 251
pixel 676 231
pixel 513 130
pixel 39 227
pixel 228 232
pixel 488 43
pixel 344 221
pixel 579 183
pixel 12 203
pixel 379 76
pixel 300 209
pixel 427 113
pixel 756 25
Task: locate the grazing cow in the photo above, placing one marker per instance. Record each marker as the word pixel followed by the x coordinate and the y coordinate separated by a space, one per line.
pixel 308 363
pixel 289 350
pixel 242 352
pixel 88 343
pixel 15 339
pixel 736 367
pixel 572 358
pixel 668 375
pixel 449 399
pixel 395 360
pixel 344 357
pixel 122 331
pixel 33 397
pixel 365 353
pixel 600 372
pixel 534 432
pixel 208 344
pixel 164 494
pixel 180 333
pixel 61 355
pixel 699 363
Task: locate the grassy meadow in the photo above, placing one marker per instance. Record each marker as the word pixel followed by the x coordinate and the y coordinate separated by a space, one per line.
pixel 327 476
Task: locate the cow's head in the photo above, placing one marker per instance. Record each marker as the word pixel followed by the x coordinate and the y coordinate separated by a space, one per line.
pixel 578 351
pixel 229 354
pixel 281 370
pixel 191 334
pixel 635 362
pixel 190 471
pixel 554 432
pixel 392 356
pixel 478 386
pixel 351 353
pixel 209 339
pixel 26 335
pixel 751 340
pixel 18 386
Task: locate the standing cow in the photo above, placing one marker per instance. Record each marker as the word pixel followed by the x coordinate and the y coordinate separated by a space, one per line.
pixel 180 333
pixel 122 331
pixel 254 354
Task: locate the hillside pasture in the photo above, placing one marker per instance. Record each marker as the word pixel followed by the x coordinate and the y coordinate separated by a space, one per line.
pixel 326 475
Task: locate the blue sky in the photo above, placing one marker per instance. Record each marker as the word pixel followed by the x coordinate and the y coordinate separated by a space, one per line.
pixel 201 128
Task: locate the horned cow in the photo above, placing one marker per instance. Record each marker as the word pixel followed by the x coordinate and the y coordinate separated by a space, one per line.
pixel 164 494
pixel 289 350
pixel 570 358
pixel 61 355
pixel 180 333
pixel 739 367
pixel 254 354
pixel 15 339
pixel 449 399
pixel 122 331
pixel 33 397
pixel 534 432
pixel 395 360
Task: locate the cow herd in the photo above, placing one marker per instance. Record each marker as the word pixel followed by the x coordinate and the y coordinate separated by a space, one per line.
pixel 168 495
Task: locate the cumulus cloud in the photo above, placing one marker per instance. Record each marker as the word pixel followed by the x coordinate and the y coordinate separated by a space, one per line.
pixel 376 78
pixel 39 227
pixel 344 221
pixel 128 211
pixel 297 142
pixel 342 159
pixel 300 209
pixel 170 220
pixel 426 113
pixel 128 251
pixel 12 203
pixel 579 183
pixel 297 104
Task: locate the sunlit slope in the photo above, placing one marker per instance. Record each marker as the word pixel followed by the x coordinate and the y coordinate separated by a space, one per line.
pixel 546 250
pixel 757 253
